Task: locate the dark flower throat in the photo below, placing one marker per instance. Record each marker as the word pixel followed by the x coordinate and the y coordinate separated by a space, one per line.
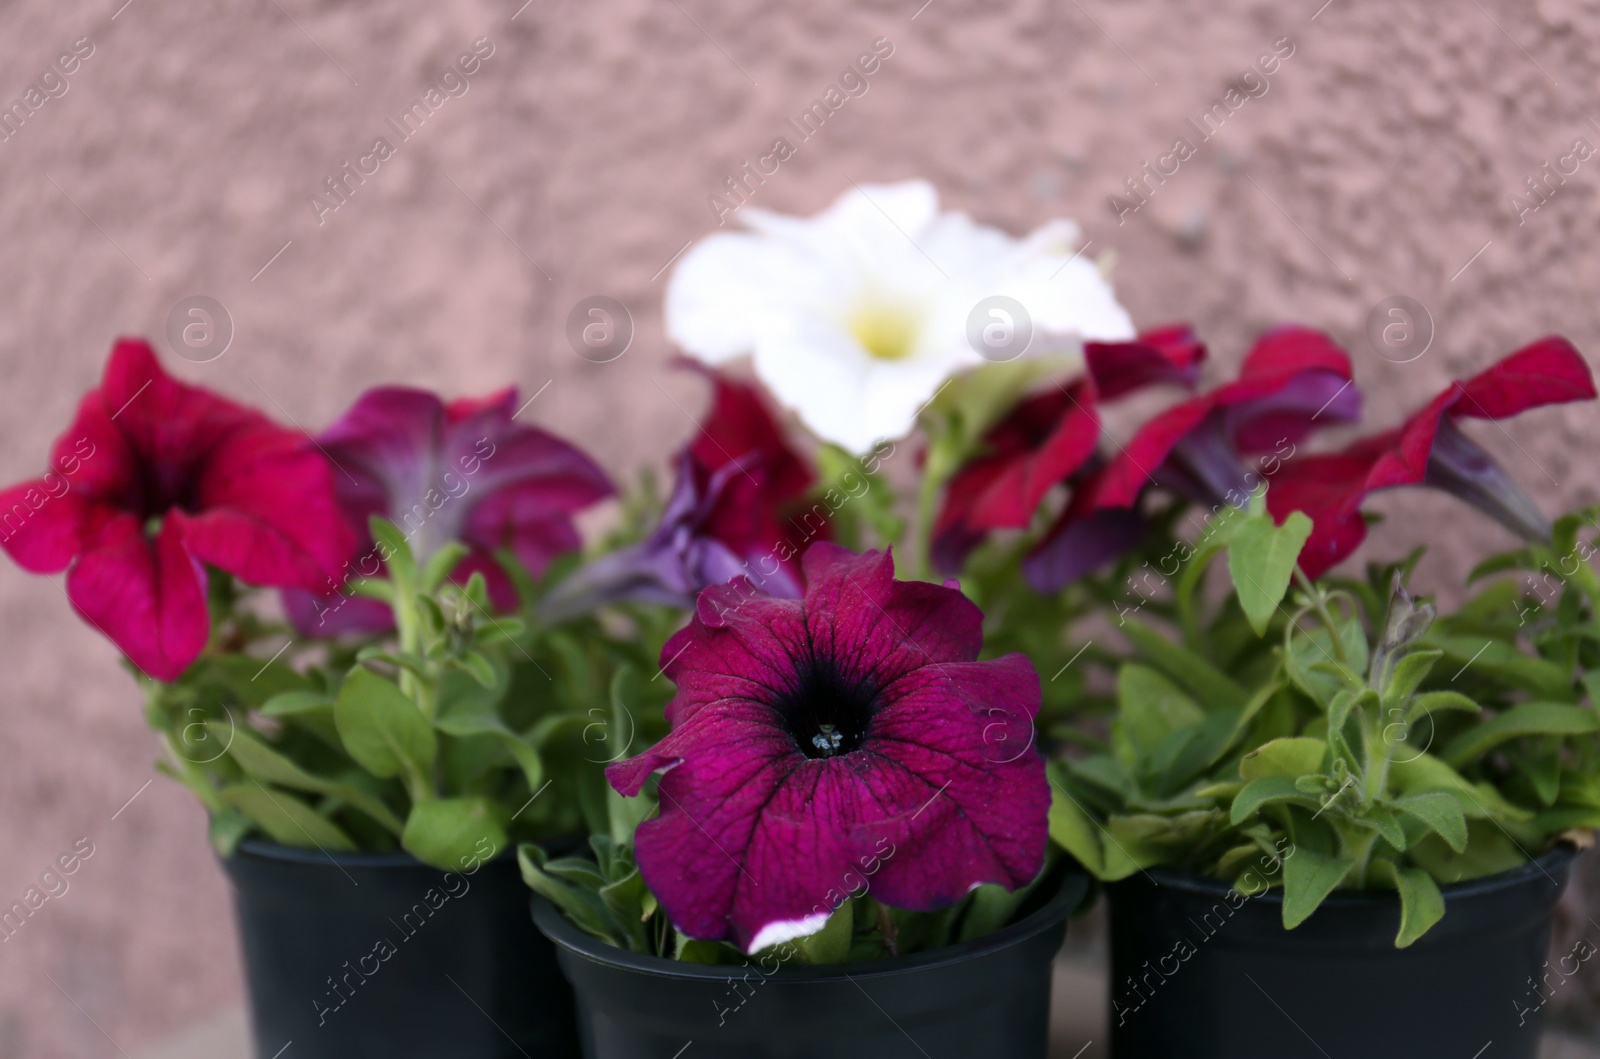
pixel 827 714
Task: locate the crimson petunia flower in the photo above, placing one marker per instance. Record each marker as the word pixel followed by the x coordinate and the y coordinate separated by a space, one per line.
pixel 462 471
pixel 1430 449
pixel 737 483
pixel 1293 381
pixel 1051 436
pixel 156 478
pixel 807 734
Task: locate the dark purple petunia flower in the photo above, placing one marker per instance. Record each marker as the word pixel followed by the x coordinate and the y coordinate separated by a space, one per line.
pixel 732 512
pixel 807 733
pixel 458 471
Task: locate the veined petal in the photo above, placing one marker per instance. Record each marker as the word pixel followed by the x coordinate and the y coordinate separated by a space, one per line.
pixel 147 596
pixel 964 731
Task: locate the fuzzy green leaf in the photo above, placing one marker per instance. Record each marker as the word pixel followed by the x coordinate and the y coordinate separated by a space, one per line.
pixel 1532 718
pixel 286 819
pixel 382 728
pixel 1430 702
pixel 1212 688
pixel 1308 878
pixel 1261 561
pixel 1442 813
pixel 1292 757
pixel 1421 903
pixel 449 832
pixel 1266 791
pixel 260 760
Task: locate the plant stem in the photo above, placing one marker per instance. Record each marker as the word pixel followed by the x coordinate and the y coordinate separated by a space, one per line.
pixel 919 538
pixel 1319 603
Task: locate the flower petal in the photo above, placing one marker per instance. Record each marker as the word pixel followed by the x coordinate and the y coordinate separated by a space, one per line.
pixel 1549 371
pixel 268 513
pixel 1166 354
pixel 147 596
pixel 39 523
pixel 1080 540
pixel 964 732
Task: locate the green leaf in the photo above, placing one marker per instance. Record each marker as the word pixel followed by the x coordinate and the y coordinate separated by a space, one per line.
pixel 1421 903
pixel 1532 718
pixel 1384 823
pixel 395 551
pixel 1441 812
pixel 1261 561
pixel 289 703
pixel 1407 676
pixel 1503 662
pixel 1213 689
pixel 286 819
pixel 1313 666
pixel 1150 708
pixel 1346 702
pixel 1266 791
pixel 261 761
pixel 1076 832
pixel 478 668
pixel 449 832
pixel 439 565
pixel 382 728
pixel 1293 757
pixel 830 944
pixel 1425 773
pixel 1430 702
pixel 581 904
pixel 1308 878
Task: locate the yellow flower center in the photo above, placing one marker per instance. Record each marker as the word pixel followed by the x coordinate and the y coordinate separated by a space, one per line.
pixel 885 332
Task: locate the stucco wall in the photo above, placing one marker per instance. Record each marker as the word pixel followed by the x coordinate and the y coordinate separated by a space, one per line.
pixel 1379 161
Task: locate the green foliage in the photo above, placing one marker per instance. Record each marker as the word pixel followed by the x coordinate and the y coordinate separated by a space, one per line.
pixel 1361 742
pixel 452 737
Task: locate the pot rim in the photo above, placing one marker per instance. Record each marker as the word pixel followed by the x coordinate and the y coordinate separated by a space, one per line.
pixel 266 849
pixel 568 938
pixel 1193 882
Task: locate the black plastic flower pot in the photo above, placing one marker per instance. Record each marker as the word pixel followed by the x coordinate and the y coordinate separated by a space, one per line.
pixel 1199 971
pixel 355 955
pixel 987 997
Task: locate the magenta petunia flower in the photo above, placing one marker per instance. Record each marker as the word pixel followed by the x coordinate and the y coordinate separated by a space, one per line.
pixel 1052 436
pixel 1430 449
pixel 155 479
pixel 808 733
pixel 462 471
pixel 731 513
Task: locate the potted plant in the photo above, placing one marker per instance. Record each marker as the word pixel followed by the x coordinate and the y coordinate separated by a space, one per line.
pixel 848 836
pixel 1327 816
pixel 845 831
pixel 369 763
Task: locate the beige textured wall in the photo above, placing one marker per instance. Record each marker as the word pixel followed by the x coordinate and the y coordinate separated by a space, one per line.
pixel 1380 161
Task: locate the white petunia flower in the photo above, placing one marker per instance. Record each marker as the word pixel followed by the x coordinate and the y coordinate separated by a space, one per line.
pixel 854 318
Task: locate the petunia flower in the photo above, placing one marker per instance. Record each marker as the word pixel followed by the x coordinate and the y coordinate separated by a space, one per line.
pixel 1431 449
pixel 1051 436
pixel 731 513
pixel 857 316
pixel 1293 381
pixel 154 480
pixel 808 733
pixel 462 471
